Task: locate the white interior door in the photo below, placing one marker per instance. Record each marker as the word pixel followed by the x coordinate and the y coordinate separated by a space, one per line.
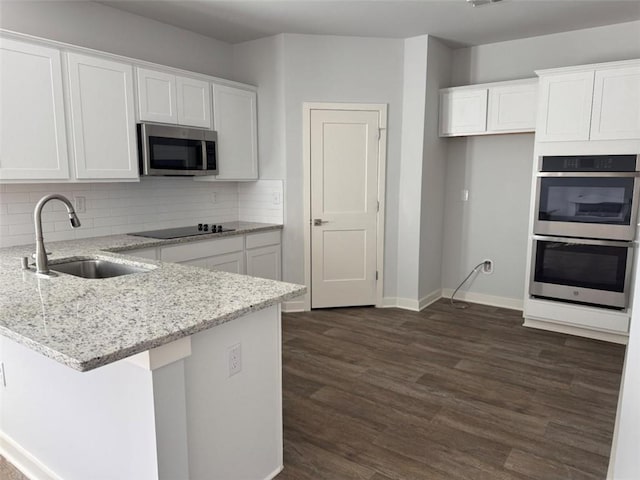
pixel 344 204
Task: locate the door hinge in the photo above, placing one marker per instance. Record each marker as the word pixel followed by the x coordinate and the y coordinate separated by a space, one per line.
pixel 378 207
pixel 376 275
pixel 379 133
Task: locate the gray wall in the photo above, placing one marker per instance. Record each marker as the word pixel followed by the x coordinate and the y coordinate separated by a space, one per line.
pixel 100 27
pixel 433 172
pixel 497 169
pixel 293 69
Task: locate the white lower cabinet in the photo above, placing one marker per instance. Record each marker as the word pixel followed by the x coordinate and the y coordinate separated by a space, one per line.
pixel 257 254
pixel 263 255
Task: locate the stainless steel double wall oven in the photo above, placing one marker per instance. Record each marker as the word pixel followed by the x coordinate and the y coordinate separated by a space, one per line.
pixel 584 227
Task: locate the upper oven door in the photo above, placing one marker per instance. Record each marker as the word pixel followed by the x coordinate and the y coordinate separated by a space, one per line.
pixel 168 150
pixel 587 205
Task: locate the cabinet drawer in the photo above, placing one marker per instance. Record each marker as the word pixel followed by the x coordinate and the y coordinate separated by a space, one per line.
pixel 150 253
pixel 257 240
pixel 207 248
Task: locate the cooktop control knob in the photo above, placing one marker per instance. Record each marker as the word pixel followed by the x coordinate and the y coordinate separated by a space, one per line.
pixel 199 227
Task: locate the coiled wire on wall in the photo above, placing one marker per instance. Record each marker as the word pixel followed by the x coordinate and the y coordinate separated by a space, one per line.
pixel 463 305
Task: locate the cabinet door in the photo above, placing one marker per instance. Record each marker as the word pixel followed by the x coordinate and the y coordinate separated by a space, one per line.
pixel 564 107
pixel 194 102
pixel 102 118
pixel 228 262
pixel 235 120
pixel 156 96
pixel 616 104
pixel 512 108
pixel 33 136
pixel 264 262
pixel 150 253
pixel 463 112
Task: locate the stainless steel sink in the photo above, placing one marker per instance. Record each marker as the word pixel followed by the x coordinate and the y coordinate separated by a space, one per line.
pixel 96 268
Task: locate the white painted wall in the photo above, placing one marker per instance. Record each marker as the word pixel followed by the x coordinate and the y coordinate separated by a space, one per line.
pixel 260 63
pixel 292 69
pixel 411 159
pixel 338 69
pixel 74 434
pixel 98 26
pixel 433 173
pixel 497 169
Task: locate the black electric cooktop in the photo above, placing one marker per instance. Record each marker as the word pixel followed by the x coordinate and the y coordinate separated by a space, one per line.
pixel 179 232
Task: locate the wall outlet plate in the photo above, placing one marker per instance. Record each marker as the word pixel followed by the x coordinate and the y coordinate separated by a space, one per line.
pixel 80 204
pixel 487 266
pixel 234 357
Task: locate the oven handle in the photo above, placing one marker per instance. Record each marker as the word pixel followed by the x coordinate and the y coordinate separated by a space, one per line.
pixel 584 241
pixel 590 174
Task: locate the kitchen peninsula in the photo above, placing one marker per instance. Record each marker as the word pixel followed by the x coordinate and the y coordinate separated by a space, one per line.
pixel 136 376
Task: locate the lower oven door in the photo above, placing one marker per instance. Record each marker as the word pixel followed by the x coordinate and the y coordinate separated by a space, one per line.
pixel 595 272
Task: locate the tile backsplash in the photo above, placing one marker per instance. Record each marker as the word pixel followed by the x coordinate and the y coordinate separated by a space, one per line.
pixel 154 202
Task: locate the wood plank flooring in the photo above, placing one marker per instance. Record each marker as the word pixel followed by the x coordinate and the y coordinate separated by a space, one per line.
pixel 387 394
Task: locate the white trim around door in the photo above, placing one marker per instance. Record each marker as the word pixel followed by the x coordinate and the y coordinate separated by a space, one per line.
pixel 382 164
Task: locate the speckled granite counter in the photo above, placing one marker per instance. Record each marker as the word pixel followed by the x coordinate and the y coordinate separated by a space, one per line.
pixel 86 324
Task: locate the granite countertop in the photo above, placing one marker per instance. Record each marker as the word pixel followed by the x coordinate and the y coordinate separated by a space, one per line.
pixel 86 324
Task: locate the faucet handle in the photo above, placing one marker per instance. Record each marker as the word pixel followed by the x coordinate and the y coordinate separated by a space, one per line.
pixel 25 263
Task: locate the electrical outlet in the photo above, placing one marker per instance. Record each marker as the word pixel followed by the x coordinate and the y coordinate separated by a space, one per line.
pixel 465 195
pixel 3 378
pixel 214 197
pixel 80 204
pixel 487 267
pixel 234 355
pixel 277 198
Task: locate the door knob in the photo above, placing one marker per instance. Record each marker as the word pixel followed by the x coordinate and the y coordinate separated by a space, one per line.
pixel 318 221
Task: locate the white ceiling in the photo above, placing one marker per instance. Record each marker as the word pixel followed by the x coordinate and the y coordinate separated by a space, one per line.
pixel 454 21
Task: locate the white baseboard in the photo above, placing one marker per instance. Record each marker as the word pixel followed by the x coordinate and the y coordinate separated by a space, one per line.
pixel 577 331
pixel 24 461
pixel 293 306
pixel 481 298
pixel 411 304
pixel 275 473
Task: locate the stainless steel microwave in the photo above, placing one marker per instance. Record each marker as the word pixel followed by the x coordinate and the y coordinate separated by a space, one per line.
pixel 175 151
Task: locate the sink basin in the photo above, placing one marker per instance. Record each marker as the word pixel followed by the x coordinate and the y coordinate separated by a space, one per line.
pixel 96 268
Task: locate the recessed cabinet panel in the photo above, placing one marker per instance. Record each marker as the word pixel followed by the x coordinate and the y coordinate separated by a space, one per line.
pixel 33 136
pixel 235 120
pixel 616 104
pixel 513 108
pixel 194 102
pixel 230 262
pixel 463 112
pixel 157 96
pixel 264 262
pixel 565 107
pixel 102 118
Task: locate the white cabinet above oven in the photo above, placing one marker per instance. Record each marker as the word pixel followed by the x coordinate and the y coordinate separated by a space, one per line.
pixel 590 102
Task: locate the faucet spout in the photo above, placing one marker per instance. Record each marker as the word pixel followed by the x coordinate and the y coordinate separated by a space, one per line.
pixel 42 263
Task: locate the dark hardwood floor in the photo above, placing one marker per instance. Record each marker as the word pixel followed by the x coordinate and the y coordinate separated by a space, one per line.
pixel 383 394
pixel 387 394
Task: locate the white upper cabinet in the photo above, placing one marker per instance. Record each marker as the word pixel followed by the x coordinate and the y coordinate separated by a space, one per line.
pixel 235 120
pixel 489 108
pixel 194 102
pixel 565 107
pixel 157 96
pixel 102 118
pixel 167 98
pixel 33 139
pixel 616 104
pixel 463 112
pixel 512 108
pixel 590 103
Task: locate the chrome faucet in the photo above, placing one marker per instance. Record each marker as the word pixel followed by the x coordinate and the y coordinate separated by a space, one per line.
pixel 42 263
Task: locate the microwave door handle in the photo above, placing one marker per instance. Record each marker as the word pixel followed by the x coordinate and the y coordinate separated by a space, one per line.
pixel 205 165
